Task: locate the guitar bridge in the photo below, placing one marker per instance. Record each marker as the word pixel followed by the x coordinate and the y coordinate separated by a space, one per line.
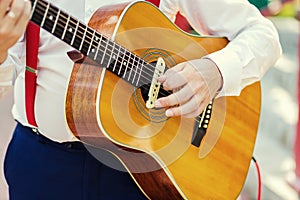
pixel 155 85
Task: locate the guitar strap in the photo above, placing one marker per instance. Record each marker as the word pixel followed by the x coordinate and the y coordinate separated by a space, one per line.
pixel 32 44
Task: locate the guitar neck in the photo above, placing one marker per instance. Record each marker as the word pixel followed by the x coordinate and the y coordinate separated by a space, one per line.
pixel 91 43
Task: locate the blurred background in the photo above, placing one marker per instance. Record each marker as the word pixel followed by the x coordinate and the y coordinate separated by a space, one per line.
pixel 279 113
pixel 274 149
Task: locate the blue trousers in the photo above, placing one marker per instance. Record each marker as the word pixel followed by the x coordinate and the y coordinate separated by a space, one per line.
pixel 37 168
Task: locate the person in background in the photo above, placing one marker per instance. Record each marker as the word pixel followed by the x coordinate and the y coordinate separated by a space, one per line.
pixel 47 161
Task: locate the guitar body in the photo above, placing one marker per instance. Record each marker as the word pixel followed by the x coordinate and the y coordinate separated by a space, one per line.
pixel 105 111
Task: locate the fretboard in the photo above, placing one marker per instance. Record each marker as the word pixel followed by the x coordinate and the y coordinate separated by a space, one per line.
pixel 89 42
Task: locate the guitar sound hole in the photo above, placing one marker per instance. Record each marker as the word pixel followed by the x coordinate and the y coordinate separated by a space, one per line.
pixel 144 91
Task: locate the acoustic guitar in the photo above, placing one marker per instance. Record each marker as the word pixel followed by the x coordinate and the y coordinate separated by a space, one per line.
pixel 109 102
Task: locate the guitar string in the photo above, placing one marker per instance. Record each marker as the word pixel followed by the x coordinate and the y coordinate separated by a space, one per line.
pixel 51 8
pixel 162 92
pixel 61 25
pixel 103 40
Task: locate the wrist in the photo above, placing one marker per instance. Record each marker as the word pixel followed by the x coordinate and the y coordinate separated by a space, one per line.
pixel 219 77
pixel 220 86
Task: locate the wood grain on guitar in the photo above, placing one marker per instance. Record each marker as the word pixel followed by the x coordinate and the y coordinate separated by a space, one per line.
pixel 105 102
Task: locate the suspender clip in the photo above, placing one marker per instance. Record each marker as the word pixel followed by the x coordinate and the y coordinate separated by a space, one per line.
pixel 30 69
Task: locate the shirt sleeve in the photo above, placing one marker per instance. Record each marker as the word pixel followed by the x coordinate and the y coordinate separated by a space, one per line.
pixel 12 65
pixel 253 40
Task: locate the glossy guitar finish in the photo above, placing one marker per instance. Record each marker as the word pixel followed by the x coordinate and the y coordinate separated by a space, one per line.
pixel 105 106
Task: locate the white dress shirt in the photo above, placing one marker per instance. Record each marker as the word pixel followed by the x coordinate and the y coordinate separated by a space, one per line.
pixel 253 48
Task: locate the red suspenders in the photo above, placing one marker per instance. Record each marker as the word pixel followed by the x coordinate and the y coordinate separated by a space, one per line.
pixel 155 2
pixel 32 44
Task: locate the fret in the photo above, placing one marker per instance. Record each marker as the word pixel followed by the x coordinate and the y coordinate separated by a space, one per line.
pixel 79 35
pixel 112 65
pixel 61 25
pixel 126 68
pixel 104 52
pixel 102 58
pixel 65 29
pixel 56 20
pixel 83 38
pixel 50 19
pixel 133 66
pixel 129 65
pixel 121 66
pixel 37 14
pixel 123 62
pixel 45 14
pixel 137 68
pixel 86 41
pixel 98 47
pixel 136 64
pixel 115 64
pixel 120 60
pixel 131 59
pixel 110 48
pixel 91 42
pixel 139 76
pixel 74 34
pixel 98 39
pixel 117 57
pixel 33 8
pixel 70 32
pixel 93 46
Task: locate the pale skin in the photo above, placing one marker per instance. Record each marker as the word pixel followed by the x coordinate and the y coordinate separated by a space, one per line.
pixel 195 84
pixel 14 16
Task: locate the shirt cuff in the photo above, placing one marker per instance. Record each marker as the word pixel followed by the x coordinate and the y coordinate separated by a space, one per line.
pixel 227 62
